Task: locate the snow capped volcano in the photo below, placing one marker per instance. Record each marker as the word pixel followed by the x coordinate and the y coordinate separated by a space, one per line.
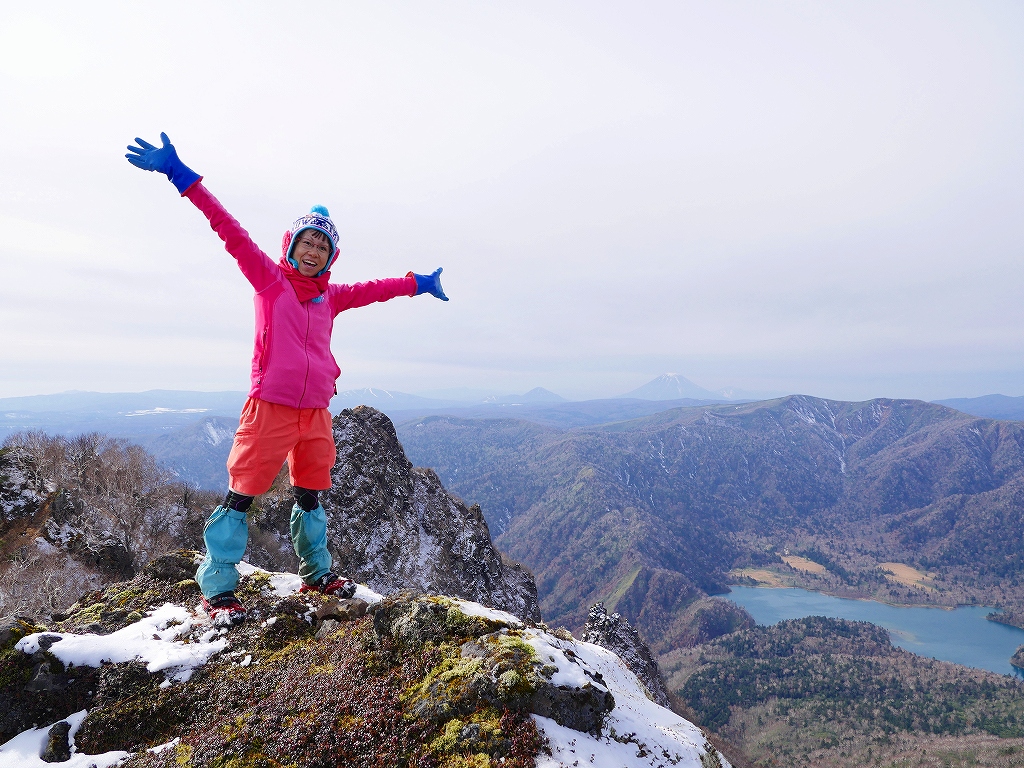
pixel 672 386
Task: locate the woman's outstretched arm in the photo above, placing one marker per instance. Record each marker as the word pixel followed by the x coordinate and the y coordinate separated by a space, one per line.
pixel 257 267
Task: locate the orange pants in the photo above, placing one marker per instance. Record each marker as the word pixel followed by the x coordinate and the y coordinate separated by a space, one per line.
pixel 268 434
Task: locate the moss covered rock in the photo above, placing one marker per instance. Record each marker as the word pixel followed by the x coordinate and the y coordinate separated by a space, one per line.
pixel 416 682
pixel 478 672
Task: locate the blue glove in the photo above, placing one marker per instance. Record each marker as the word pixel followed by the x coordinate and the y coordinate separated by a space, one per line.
pixel 430 284
pixel 165 160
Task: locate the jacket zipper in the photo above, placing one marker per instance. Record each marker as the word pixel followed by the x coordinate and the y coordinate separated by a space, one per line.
pixel 263 355
pixel 305 354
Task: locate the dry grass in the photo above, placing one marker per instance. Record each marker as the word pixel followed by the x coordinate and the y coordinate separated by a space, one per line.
pixel 805 565
pixel 907 576
pixel 772 578
pixel 761 576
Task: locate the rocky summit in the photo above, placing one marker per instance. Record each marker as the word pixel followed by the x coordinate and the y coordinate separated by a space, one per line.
pixel 135 675
pixel 395 527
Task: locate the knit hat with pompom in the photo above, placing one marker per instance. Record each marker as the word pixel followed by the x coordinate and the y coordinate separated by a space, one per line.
pixel 319 219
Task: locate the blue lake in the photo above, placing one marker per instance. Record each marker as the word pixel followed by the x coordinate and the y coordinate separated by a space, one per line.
pixel 963 635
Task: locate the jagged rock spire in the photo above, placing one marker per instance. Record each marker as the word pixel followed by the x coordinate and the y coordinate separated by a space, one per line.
pixel 614 633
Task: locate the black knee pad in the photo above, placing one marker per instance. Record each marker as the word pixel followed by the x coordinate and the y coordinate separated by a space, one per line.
pixel 308 500
pixel 237 501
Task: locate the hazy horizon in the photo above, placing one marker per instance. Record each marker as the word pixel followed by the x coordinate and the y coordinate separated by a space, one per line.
pixel 799 197
pixel 469 395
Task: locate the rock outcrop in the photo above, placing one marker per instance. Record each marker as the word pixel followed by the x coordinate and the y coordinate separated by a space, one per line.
pixel 72 528
pixel 394 527
pixel 493 668
pixel 307 679
pixel 18 495
pixel 139 674
pixel 614 633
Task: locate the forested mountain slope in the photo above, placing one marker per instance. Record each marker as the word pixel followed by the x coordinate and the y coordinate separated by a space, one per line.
pixel 648 514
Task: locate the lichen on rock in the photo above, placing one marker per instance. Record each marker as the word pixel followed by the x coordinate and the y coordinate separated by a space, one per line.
pixel 483 665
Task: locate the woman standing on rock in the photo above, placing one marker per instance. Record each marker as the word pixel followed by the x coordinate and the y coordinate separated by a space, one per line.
pixel 293 379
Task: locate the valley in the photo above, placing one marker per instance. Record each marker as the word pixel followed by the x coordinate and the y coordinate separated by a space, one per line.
pixel 900 501
pixel 818 691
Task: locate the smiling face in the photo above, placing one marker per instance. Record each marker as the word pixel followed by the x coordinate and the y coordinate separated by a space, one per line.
pixel 311 252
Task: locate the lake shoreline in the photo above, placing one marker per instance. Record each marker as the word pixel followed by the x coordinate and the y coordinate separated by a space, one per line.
pixel 891 582
pixel 808 575
pixel 834 594
pixel 996 614
pixel 954 634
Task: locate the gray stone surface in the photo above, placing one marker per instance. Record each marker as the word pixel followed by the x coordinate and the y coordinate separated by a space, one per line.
pixel 614 633
pixel 58 743
pixel 582 709
pixel 497 668
pixel 341 609
pixel 394 527
pixel 44 680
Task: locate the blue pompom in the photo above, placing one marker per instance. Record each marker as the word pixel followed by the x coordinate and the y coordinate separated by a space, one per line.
pixel 321 210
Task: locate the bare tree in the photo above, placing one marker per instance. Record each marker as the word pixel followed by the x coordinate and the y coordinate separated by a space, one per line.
pixel 36 585
pixel 107 491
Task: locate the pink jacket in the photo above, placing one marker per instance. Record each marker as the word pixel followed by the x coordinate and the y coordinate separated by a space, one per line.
pixel 292 362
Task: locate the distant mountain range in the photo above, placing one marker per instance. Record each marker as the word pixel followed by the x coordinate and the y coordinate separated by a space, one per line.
pixel 184 420
pixel 988 406
pixel 186 430
pixel 646 514
pixel 157 411
pixel 387 400
pixel 121 414
pixel 196 453
pixel 535 395
pixel 131 414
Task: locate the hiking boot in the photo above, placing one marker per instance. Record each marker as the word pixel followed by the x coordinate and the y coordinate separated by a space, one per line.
pixel 224 610
pixel 331 584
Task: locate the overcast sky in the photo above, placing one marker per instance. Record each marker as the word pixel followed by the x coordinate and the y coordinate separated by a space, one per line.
pixel 789 197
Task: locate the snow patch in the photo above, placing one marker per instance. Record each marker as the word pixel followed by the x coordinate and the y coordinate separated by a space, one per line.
pixel 166 745
pixel 216 435
pixel 155 640
pixel 367 594
pixel 637 733
pixel 158 411
pixel 45 547
pixel 572 671
pixel 475 609
pixel 24 750
pixel 285 584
